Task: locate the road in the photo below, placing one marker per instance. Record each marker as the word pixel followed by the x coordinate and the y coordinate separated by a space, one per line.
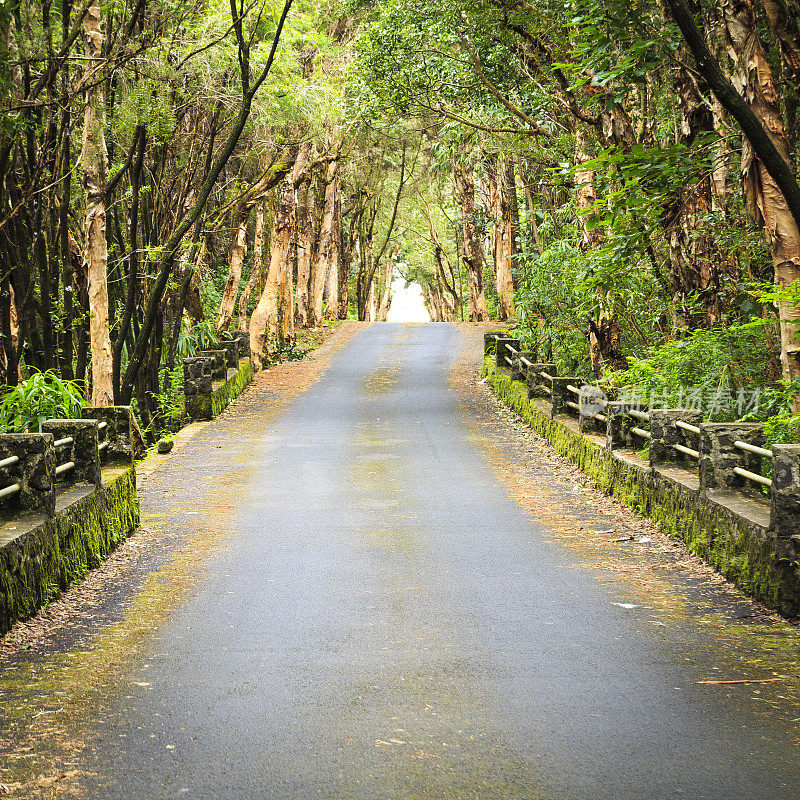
pixel 381 620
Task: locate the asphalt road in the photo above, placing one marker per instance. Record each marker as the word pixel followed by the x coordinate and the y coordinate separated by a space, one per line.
pixel 384 622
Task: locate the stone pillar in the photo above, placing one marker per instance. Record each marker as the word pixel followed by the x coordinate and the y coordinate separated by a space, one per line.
pixel 535 381
pixel 198 375
pixel 198 385
pixel 231 348
pixel 718 456
pixel 490 341
pixel 560 394
pixel 519 370
pixel 618 427
pixel 502 352
pixel 219 370
pixel 592 400
pixel 35 472
pixel 243 338
pixel 83 450
pixel 664 433
pixel 785 504
pixel 118 431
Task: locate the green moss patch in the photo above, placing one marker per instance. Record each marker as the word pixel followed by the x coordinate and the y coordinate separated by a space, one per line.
pixel 743 552
pixel 50 556
pixel 205 407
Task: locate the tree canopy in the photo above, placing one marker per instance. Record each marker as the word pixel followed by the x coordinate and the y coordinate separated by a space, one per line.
pixel 616 179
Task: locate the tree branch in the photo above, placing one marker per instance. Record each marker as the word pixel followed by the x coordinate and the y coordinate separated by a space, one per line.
pixel 735 104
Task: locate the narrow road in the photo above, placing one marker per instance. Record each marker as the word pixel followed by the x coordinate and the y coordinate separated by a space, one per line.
pixel 381 620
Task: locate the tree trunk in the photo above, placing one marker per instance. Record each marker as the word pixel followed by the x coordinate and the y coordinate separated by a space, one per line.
pixel 765 201
pixel 471 248
pixel 345 257
pixel 238 252
pixel 95 167
pixel 604 333
pixel 696 262
pixel 307 230
pixel 386 294
pixel 332 286
pixel 504 233
pixel 265 320
pixel 327 243
pixel 783 20
pixel 258 267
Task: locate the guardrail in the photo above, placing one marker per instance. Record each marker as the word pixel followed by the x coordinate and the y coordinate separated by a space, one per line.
pixel 724 456
pixel 211 378
pixel 35 467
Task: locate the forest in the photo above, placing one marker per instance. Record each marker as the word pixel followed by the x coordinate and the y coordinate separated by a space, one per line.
pixel 617 181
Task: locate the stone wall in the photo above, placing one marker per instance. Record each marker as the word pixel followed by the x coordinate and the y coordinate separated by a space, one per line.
pixel 206 398
pixel 751 544
pixel 62 520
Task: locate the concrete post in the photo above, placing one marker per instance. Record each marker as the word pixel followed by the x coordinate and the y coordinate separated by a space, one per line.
pixel 592 400
pixel 560 394
pixel 535 382
pixel 198 375
pixel 785 504
pixel 519 370
pixel 118 431
pixel 502 353
pixel 35 472
pixel 242 338
pixel 490 341
pixel 231 348
pixel 664 433
pixel 718 456
pixel 618 427
pixel 83 450
pixel 219 369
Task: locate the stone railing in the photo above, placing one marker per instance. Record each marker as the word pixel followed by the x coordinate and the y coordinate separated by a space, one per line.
pixel 67 498
pixel 724 466
pixel 212 378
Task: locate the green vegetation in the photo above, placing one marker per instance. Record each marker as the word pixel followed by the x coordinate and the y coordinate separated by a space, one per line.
pixel 575 167
pixel 41 396
pixel 727 543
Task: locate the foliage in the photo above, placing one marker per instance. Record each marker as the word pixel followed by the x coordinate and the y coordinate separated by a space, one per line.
pixel 40 397
pixel 285 351
pixel 169 406
pixel 200 336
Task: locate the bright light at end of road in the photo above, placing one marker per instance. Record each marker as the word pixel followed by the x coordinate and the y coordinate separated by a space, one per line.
pixel 407 304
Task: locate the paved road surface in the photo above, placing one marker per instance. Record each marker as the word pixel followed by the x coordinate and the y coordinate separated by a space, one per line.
pixel 384 622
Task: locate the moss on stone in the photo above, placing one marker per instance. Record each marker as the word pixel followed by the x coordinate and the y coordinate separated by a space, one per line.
pixel 205 407
pixel 723 540
pixel 56 553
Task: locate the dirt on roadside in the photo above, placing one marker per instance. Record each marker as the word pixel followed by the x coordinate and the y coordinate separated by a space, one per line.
pixel 744 646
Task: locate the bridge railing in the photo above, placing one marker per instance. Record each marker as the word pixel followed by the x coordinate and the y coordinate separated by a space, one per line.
pixel 724 456
pixel 212 378
pixel 35 467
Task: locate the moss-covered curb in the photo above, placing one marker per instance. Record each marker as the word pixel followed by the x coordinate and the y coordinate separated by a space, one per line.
pixel 741 549
pixel 45 556
pixel 205 407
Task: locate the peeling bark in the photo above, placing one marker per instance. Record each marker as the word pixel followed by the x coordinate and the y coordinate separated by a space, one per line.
pixel 95 172
pixel 765 201
pixel 471 247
